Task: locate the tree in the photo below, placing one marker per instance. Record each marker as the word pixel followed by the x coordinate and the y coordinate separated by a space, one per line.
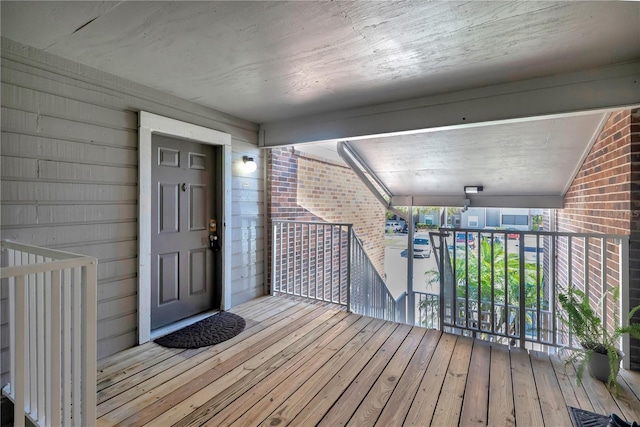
pixel 536 222
pixel 507 271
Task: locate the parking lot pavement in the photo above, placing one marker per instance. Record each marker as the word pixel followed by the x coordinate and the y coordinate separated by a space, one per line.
pixel 395 267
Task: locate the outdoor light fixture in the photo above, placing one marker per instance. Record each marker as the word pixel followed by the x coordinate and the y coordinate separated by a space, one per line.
pixel 249 164
pixel 473 189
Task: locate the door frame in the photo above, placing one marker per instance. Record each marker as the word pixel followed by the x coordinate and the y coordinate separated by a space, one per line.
pixel 148 124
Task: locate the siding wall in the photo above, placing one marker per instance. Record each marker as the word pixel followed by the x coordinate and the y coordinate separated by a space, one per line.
pixel 69 178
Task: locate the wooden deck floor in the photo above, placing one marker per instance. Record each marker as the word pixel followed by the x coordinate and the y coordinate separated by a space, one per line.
pixel 306 364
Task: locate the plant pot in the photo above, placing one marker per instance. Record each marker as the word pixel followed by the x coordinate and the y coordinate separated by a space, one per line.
pixel 599 366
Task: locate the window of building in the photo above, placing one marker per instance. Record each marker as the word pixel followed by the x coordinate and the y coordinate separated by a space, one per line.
pixel 515 220
pixel 473 221
pixel 428 219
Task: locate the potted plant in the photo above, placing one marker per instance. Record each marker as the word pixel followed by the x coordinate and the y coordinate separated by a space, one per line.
pixel 600 353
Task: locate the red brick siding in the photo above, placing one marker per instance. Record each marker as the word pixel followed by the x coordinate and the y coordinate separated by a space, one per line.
pixel 307 188
pixel 605 198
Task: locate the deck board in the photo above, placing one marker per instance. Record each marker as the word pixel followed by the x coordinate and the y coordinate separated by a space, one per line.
pixel 316 370
pixel 448 410
pixel 152 389
pixel 401 399
pixel 428 394
pixel 525 396
pixel 375 401
pixel 315 408
pixel 299 363
pixel 233 410
pixel 219 401
pixel 201 376
pixel 554 411
pixel 349 401
pixel 476 396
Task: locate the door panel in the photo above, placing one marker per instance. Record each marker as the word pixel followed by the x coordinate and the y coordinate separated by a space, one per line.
pixel 197 271
pixel 168 277
pixel 182 269
pixel 168 208
pixel 197 207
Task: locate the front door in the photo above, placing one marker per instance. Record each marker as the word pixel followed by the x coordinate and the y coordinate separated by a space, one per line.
pixel 183 203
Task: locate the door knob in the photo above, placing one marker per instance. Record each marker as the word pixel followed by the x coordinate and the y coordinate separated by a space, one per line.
pixel 184 187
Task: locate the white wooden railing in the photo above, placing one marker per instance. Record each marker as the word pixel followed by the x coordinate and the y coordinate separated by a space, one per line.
pixel 52 324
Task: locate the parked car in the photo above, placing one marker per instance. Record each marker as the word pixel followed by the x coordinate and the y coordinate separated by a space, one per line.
pixel 392 227
pixel 421 247
pixel 405 228
pixel 460 239
pixel 513 235
pixel 497 238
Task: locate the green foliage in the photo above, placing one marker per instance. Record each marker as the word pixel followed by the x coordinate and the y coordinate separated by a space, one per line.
pixel 423 226
pixel 536 222
pixel 487 274
pixel 585 324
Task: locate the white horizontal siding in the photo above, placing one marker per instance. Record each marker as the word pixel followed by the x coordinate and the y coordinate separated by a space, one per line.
pixel 248 208
pixel 69 178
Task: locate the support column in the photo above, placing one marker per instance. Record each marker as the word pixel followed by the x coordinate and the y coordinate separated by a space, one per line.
pixel 411 299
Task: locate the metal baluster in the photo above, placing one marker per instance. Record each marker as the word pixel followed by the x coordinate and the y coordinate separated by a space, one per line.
pixel 479 284
pixel 604 283
pixel 350 234
pixel 493 292
pixel 523 302
pixel 295 256
pixel 507 315
pixel 587 284
pixel 339 266
pixel 466 279
pixel 274 254
pixel 570 274
pixel 625 342
pixel 553 280
pixel 538 312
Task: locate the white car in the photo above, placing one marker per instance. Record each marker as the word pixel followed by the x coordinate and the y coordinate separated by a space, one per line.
pixel 421 247
pixel 392 227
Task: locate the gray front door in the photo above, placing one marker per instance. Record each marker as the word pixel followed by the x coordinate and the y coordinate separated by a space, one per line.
pixel 183 204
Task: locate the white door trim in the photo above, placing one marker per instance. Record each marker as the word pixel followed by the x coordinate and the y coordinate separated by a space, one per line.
pixel 148 125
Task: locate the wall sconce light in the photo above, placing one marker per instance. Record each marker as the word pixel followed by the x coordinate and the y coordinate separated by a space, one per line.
pixel 473 189
pixel 249 165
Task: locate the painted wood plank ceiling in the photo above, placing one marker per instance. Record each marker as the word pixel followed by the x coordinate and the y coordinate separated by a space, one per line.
pixel 274 61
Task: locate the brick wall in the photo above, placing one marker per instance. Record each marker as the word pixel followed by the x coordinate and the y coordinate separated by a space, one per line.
pixel 605 198
pixel 308 188
pixel 634 227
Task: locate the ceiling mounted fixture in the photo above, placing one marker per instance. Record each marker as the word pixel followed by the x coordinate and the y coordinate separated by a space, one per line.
pixel 249 164
pixel 473 189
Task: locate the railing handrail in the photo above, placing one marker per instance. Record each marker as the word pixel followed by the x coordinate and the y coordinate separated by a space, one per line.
pixel 373 297
pixel 59 260
pixel 64 367
pixel 536 233
pixel 338 224
pixel 39 250
pixel 520 301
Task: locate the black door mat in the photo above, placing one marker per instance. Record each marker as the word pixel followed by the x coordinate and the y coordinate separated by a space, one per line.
pixel 582 418
pixel 212 330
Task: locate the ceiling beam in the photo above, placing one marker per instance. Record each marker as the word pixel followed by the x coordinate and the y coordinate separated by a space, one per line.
pixel 608 88
pixel 528 202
